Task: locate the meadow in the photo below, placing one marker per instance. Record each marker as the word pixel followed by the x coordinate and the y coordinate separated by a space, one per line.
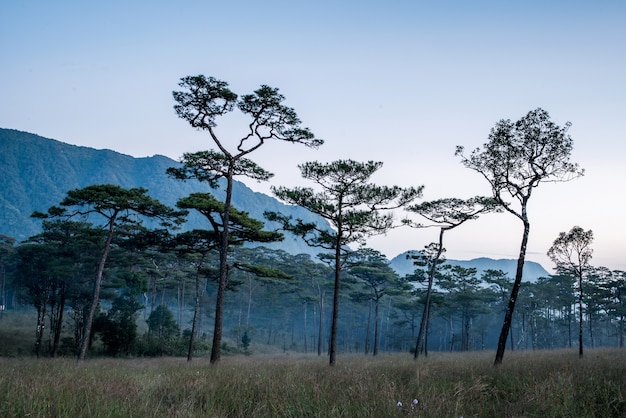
pixel 527 384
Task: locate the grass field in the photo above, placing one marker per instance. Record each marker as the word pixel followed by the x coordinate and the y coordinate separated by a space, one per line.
pixel 527 384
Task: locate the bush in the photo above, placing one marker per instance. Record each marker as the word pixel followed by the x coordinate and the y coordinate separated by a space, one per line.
pixel 162 324
pixel 118 328
pixel 152 346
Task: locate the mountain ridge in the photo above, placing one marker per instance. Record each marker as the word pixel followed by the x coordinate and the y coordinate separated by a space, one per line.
pixel 38 172
pixel 532 270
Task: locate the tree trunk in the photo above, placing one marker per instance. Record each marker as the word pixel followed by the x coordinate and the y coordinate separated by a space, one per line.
pixel 84 345
pixel 321 325
pixel 569 326
pixel 3 301
pixel 216 349
pixel 367 329
pixel 59 323
pixel 424 321
pixel 41 325
pixel 181 304
pixel 451 321
pixel 580 316
pixel 426 332
pixel 426 315
pixel 196 310
pixel 508 316
pixel 153 293
pixel 269 330
pixel 335 318
pixel 376 327
pixel 464 329
pixel 250 289
pixel 304 326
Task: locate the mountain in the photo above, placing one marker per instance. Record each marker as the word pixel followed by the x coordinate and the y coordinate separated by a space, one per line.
pixel 532 270
pixel 37 172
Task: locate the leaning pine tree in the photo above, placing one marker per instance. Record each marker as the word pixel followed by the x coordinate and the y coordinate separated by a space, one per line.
pixel 516 158
pixel 200 103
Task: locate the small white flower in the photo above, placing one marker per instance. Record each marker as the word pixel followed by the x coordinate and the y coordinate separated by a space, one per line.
pixel 399 404
pixel 415 401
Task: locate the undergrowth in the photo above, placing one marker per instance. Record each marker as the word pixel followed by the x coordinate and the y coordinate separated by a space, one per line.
pixel 527 384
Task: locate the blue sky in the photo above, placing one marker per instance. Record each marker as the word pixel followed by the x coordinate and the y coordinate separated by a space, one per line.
pixel 402 82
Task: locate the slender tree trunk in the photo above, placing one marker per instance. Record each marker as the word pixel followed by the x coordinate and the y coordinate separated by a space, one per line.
pixel 59 322
pixel 153 293
pixel 429 291
pixel 249 302
pixel 451 320
pixel 569 325
pixel 181 305
pixel 466 330
pixel 196 310
pixel 3 301
pixel 386 319
pixel 41 326
pixel 580 316
pixel 219 309
pixel 84 345
pixel 194 322
pixel 508 316
pixel 304 327
pixel 512 340
pixel 376 327
pixel 216 349
pixel 426 332
pixel 425 314
pixel 335 318
pixel 592 342
pixel 320 336
pixel 367 329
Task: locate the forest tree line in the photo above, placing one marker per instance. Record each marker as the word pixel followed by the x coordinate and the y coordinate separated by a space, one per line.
pixel 104 273
pixel 147 303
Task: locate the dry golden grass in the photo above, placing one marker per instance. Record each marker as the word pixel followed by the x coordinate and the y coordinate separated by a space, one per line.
pixel 527 384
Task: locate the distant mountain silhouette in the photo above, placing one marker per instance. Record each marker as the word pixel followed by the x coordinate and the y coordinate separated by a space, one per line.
pixel 37 172
pixel 532 270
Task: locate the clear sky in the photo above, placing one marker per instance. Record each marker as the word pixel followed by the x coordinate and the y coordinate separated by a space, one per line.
pixel 401 82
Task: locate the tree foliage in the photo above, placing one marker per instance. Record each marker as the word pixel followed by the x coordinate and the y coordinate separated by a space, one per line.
pixel 571 252
pixel 355 208
pixel 115 206
pixel 517 158
pixel 201 102
pixel 447 214
pixel 377 278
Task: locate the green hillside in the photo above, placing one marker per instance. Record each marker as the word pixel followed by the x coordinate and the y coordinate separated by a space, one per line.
pixel 37 172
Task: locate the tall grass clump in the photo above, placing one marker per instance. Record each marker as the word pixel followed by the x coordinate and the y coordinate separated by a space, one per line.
pixel 527 384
